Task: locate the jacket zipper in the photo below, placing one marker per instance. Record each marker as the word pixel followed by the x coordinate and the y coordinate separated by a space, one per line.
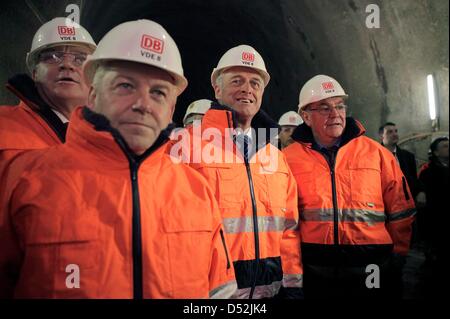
pixel 136 236
pixel 136 232
pixel 225 248
pixel 335 209
pixel 331 164
pixel 255 226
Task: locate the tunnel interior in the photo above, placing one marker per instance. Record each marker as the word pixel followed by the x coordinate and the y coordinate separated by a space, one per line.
pixel 382 67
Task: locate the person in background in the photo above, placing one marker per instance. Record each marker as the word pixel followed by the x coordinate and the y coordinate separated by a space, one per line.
pixel 389 138
pixel 195 111
pixel 434 175
pixel 288 122
pixel 47 98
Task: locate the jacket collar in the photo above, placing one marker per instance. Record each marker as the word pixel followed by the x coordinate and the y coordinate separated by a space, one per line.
pixel 353 128
pixel 223 117
pixel 96 130
pixel 25 89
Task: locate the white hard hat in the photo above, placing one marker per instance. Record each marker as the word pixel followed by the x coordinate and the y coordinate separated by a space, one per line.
pixel 290 118
pixel 141 41
pixel 198 107
pixel 59 31
pixel 242 55
pixel 319 88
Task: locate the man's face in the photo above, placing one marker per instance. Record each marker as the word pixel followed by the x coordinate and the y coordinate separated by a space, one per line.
pixel 242 89
pixel 285 135
pixel 390 135
pixel 62 83
pixel 138 100
pixel 442 150
pixel 326 128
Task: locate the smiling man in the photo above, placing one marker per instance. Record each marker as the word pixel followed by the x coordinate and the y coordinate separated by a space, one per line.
pixel 258 200
pixel 355 206
pixel 108 214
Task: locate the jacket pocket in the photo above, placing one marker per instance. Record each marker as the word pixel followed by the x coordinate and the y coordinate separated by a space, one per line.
pixel 306 185
pixel 57 246
pixel 189 241
pixel 229 182
pixel 365 180
pixel 277 180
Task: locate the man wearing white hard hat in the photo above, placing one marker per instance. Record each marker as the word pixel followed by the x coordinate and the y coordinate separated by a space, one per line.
pixel 257 200
pixel 288 122
pixel 354 203
pixel 195 111
pixel 109 214
pixel 49 96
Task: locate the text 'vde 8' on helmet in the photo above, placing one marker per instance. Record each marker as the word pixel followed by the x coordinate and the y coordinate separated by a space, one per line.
pixel 142 41
pixel 58 31
pixel 242 55
pixel 319 88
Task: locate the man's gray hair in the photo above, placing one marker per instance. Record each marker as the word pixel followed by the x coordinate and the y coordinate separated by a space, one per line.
pixel 100 71
pixel 219 80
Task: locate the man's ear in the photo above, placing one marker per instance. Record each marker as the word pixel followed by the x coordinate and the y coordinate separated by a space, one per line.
pixel 33 74
pixel 91 97
pixel 217 91
pixel 173 109
pixel 306 116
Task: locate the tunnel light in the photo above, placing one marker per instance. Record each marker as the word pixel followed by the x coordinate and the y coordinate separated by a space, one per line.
pixel 431 97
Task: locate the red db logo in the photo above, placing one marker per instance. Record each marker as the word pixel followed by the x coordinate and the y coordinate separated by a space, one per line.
pixel 328 86
pixel 152 44
pixel 247 56
pixel 63 30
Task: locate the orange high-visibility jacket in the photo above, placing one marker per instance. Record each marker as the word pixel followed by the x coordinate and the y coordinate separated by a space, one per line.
pixel 356 212
pixel 88 219
pixel 258 203
pixel 29 125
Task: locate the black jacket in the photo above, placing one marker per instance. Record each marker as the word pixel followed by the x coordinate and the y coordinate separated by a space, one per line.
pixel 407 162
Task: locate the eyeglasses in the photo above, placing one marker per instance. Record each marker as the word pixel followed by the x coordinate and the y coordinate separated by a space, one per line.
pixel 325 109
pixel 56 57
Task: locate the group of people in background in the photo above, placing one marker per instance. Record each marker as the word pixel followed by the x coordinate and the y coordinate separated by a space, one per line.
pixel 93 204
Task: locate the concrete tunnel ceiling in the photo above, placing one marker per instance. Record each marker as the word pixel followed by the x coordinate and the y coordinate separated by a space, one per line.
pixel 382 69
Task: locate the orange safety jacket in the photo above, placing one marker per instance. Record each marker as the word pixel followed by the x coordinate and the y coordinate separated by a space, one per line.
pixel 128 226
pixel 356 208
pixel 258 203
pixel 29 125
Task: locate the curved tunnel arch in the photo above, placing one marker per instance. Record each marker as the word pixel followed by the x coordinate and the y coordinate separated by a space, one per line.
pixel 382 69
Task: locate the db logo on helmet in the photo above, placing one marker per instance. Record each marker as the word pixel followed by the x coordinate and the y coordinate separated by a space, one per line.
pixel 247 56
pixel 63 30
pixel 152 44
pixel 328 86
